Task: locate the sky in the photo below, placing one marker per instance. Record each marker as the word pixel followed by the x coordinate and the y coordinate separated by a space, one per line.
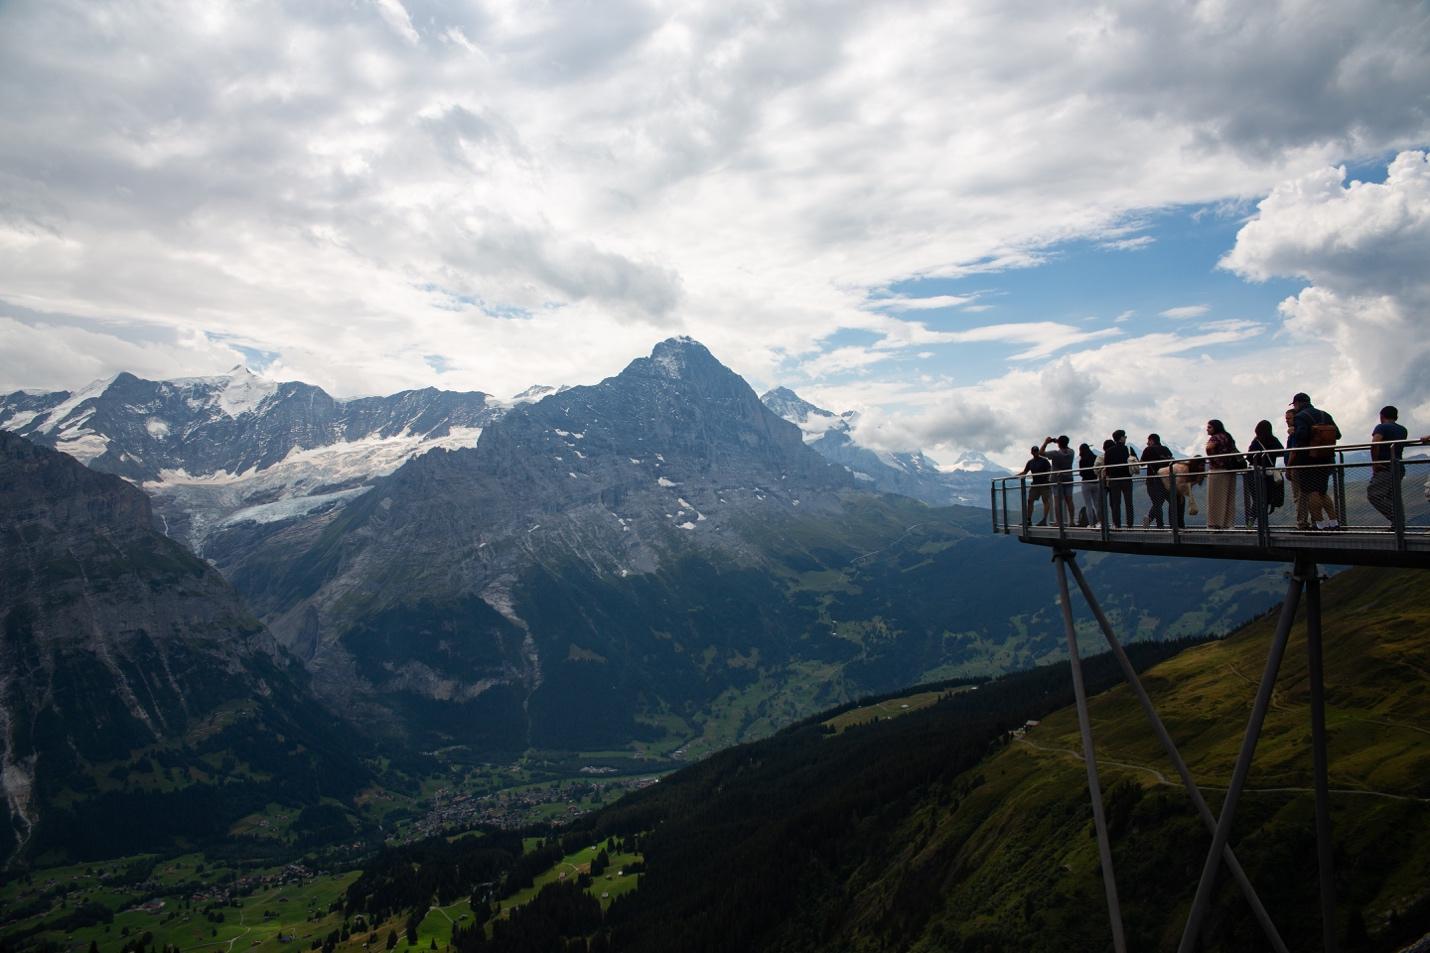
pixel 975 223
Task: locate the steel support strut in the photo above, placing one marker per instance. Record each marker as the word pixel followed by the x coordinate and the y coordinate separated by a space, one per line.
pixel 1064 558
pixel 1243 761
pixel 1130 673
pixel 1316 675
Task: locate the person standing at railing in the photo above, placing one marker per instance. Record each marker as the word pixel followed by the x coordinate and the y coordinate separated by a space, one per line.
pixel 1293 474
pixel 1385 469
pixel 1039 466
pixel 1091 487
pixel 1221 476
pixel 1061 458
pixel 1316 437
pixel 1117 459
pixel 1262 452
pixel 1154 457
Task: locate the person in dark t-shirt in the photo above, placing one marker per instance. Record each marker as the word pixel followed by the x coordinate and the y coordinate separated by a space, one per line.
pixel 1385 454
pixel 1154 456
pixel 1039 466
pixel 1117 471
pixel 1091 485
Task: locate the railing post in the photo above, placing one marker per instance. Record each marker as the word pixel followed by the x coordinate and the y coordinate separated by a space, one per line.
pixel 1174 505
pixel 1340 484
pixel 1102 524
pixel 1397 501
pixel 993 503
pixel 1004 484
pixel 1263 515
pixel 1027 519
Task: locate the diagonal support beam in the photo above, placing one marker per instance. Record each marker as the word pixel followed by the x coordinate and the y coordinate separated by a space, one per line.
pixel 1064 558
pixel 1165 737
pixel 1243 762
pixel 1315 672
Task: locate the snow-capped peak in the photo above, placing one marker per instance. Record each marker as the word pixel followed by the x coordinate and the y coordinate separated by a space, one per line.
pixel 243 391
pixel 971 461
pixel 535 392
pixel 55 417
pixel 814 421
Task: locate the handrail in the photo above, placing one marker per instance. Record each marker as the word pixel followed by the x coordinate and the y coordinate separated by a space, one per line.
pixel 1141 464
pixel 1362 495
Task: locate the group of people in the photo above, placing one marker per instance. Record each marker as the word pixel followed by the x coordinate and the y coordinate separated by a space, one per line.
pixel 1309 454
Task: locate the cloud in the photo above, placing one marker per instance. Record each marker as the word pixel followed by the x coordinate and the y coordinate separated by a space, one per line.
pixel 1364 248
pixel 397 17
pixel 1128 244
pixel 906 303
pixel 1186 311
pixel 539 191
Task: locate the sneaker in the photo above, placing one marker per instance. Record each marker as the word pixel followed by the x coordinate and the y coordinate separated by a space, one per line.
pixel 1332 524
pixel 1146 521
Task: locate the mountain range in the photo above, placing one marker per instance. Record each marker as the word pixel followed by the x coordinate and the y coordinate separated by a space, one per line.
pixel 658 563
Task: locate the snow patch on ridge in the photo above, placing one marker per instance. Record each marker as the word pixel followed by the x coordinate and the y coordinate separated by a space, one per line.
pixel 310 478
pixel 58 414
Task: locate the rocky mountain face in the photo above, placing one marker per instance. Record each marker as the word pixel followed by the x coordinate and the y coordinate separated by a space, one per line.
pixel 446 583
pixel 657 560
pixel 119 647
pixel 906 472
pixel 216 452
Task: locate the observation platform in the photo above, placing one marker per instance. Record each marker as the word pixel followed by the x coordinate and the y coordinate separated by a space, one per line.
pixel 1259 531
pixel 1374 514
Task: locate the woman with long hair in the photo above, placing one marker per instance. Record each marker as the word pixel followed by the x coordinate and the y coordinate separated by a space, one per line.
pixel 1262 452
pixel 1221 477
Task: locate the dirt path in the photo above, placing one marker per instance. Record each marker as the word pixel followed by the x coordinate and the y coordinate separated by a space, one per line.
pixel 904 535
pixel 1161 778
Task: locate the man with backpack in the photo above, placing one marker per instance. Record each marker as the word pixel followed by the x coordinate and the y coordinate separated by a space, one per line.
pixel 1316 435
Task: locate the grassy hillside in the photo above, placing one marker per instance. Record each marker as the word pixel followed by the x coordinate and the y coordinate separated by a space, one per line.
pixel 1016 864
pixel 943 827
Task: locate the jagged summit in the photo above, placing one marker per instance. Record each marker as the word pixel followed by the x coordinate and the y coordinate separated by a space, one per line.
pixel 535 392
pixel 678 357
pixel 907 472
pixel 971 461
pixel 813 420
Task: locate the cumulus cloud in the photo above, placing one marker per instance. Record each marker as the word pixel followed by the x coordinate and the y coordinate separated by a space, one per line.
pixel 1364 248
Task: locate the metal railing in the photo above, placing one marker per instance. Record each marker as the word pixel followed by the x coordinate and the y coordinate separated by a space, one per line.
pixel 1350 502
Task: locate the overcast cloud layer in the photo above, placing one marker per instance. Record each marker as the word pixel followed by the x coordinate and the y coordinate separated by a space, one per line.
pixel 372 196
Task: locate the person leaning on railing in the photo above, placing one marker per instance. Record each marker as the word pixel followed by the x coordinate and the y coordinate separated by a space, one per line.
pixel 1385 453
pixel 1154 457
pixel 1039 466
pixel 1091 486
pixel 1316 437
pixel 1262 452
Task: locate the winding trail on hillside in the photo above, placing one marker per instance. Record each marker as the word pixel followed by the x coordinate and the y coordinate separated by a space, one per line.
pixel 902 536
pixel 1076 755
